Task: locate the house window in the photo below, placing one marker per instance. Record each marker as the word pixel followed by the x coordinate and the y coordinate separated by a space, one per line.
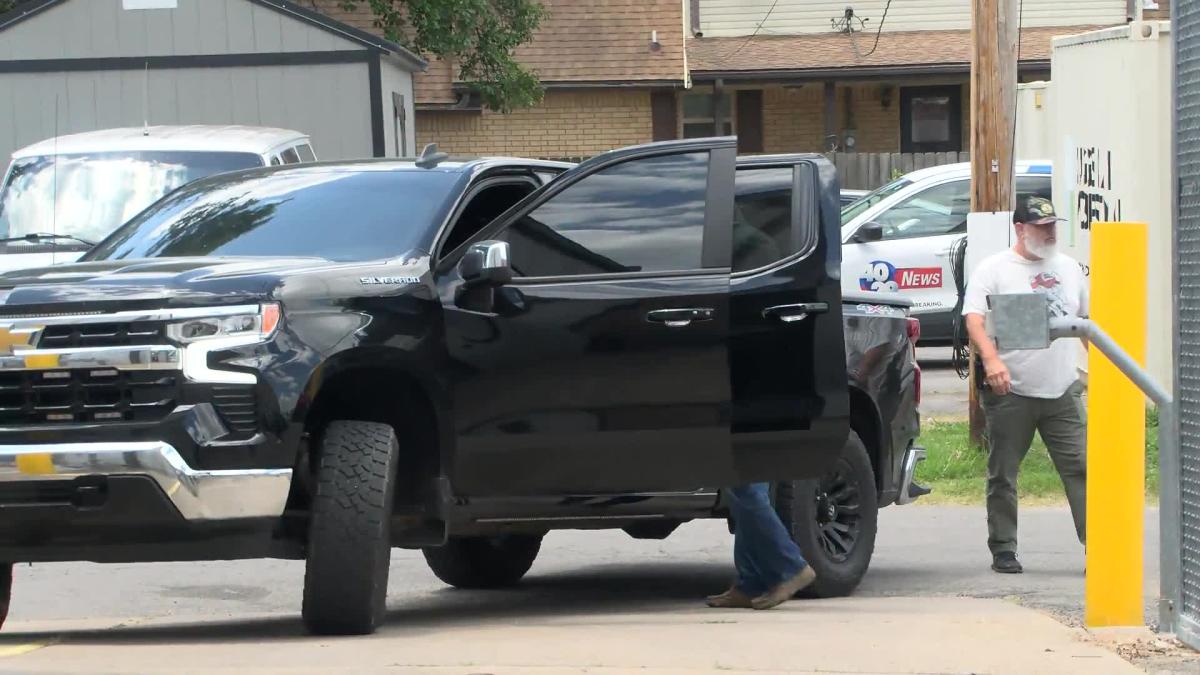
pixel 931 119
pixel 698 121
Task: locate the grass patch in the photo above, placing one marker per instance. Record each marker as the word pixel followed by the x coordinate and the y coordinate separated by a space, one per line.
pixel 958 473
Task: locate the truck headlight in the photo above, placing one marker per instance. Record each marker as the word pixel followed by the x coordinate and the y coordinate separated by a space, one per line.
pixel 201 336
pixel 261 325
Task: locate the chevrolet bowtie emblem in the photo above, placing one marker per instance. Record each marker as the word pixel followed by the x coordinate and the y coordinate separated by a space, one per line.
pixel 12 338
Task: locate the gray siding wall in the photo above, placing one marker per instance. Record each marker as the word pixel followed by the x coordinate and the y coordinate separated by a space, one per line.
pixel 102 28
pixel 395 78
pixel 743 17
pixel 329 102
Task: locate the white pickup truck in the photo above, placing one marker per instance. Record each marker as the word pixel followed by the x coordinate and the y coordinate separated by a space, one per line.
pixel 62 195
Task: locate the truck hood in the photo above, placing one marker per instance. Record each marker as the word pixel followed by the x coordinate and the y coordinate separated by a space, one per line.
pixel 161 282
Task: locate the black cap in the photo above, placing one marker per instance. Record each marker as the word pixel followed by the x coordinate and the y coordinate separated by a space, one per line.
pixel 1035 211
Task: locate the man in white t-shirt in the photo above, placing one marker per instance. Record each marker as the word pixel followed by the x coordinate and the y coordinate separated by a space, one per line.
pixel 1030 390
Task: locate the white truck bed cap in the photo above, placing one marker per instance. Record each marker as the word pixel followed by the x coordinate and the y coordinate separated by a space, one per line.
pixel 213 138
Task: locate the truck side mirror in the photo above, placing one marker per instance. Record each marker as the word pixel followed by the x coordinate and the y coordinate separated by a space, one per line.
pixel 486 263
pixel 869 232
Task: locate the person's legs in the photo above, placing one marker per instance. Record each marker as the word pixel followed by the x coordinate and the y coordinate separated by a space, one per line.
pixel 1063 426
pixel 1010 427
pixel 770 566
pixel 747 583
pixel 744 507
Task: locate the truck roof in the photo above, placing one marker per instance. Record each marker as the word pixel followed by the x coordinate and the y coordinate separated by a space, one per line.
pixel 197 137
pixel 456 165
pixel 1040 166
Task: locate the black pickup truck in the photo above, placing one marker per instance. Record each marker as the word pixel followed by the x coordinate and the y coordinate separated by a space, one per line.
pixel 327 361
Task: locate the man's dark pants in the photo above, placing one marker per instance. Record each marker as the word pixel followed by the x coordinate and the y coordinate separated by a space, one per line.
pixel 1011 421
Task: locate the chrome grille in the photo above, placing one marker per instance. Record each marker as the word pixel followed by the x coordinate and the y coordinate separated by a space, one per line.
pixel 125 334
pixel 101 395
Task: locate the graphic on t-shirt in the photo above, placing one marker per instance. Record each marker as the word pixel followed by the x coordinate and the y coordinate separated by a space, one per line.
pixel 882 275
pixel 1048 284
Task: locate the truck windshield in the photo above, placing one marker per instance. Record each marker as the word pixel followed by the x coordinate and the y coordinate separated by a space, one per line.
pixel 852 211
pixel 90 195
pixel 322 212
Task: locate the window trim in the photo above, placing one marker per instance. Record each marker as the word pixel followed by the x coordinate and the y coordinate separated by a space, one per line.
pixel 593 166
pixel 310 151
pixel 617 276
pixel 731 94
pixel 907 94
pixel 294 151
pixel 463 201
pixel 797 226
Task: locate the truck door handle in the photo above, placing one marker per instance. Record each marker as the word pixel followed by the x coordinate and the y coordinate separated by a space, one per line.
pixel 794 313
pixel 943 253
pixel 680 318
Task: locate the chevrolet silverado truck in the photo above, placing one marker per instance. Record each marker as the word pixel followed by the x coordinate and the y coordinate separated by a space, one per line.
pixel 324 362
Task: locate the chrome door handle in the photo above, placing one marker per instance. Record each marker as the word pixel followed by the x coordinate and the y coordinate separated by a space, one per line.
pixel 796 312
pixel 680 318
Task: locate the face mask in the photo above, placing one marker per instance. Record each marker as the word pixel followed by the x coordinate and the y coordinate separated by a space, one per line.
pixel 1039 247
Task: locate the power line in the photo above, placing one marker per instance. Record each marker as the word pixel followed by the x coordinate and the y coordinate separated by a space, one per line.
pixel 756 30
pixel 879 31
pixel 1012 152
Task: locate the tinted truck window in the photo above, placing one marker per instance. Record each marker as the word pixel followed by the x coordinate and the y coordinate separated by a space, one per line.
pixel 336 215
pixel 644 215
pixel 762 217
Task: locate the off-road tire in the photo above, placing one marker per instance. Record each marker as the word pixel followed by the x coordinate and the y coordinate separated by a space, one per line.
pixel 805 515
pixel 484 562
pixel 349 543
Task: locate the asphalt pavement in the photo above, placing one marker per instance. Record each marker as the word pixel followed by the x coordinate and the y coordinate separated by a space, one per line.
pixel 943 392
pixel 594 602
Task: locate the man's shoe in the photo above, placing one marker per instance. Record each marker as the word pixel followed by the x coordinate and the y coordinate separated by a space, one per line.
pixel 784 591
pixel 730 599
pixel 1006 562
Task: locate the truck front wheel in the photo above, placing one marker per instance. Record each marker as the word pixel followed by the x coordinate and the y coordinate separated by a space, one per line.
pixel 834 519
pixel 349 545
pixel 484 562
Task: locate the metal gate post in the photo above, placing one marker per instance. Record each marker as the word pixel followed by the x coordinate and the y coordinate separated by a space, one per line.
pixel 1180 471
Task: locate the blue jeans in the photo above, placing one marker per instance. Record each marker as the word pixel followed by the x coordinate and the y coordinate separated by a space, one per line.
pixel 763 551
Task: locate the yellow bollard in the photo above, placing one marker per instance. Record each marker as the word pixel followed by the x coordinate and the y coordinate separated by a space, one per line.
pixel 1116 480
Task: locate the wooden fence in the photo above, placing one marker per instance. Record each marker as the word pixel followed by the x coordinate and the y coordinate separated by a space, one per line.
pixel 869 170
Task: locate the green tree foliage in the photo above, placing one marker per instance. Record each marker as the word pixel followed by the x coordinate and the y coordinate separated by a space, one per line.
pixel 479 36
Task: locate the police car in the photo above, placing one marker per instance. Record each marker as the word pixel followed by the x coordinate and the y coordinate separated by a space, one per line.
pixel 898 238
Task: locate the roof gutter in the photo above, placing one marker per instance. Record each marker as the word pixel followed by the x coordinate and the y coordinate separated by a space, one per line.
pixel 851 72
pixel 24 11
pixel 349 32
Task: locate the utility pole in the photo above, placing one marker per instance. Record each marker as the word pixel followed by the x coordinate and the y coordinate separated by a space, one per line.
pixel 995 30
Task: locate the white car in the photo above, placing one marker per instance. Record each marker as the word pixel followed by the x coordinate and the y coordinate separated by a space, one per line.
pixel 64 194
pixel 898 238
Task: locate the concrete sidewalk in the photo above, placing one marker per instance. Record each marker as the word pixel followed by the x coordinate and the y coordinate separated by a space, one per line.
pixel 854 635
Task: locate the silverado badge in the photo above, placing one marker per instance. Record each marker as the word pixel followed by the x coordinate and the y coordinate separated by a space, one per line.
pixel 388 281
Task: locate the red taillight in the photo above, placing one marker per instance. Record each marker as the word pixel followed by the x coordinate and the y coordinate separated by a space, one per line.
pixel 914 330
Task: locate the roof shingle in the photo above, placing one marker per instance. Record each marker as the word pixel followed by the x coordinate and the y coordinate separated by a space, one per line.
pixel 825 51
pixel 578 42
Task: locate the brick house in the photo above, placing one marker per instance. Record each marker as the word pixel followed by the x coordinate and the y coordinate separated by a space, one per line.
pixel 610 69
pixel 813 76
pixel 786 76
